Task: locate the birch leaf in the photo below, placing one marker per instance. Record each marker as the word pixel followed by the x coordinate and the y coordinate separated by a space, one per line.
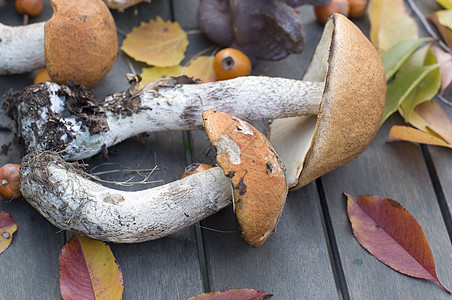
pixel 156 43
pixel 202 68
pixel 399 89
pixel 427 88
pixel 392 235
pixel 88 270
pixel 394 58
pixel 436 119
pixel 236 294
pixel 7 227
pixel 390 23
pixel 410 134
pixel 447 4
pixel 154 73
pixel 445 67
pixel 441 20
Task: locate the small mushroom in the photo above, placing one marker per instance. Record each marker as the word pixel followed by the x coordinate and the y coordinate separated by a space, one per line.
pixel 70 201
pixel 78 43
pixel 258 181
pixel 351 108
pixel 121 5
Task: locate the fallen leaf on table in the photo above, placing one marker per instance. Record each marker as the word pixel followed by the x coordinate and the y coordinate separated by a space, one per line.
pixel 154 73
pixel 392 235
pixel 436 119
pixel 425 89
pixel 88 270
pixel 443 21
pixel 7 228
pixel 157 43
pixel 202 68
pixel 410 134
pixel 445 67
pixel 236 294
pixel 399 89
pixel 447 4
pixel 390 23
pixel 394 58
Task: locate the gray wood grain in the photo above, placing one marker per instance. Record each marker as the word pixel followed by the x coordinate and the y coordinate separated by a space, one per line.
pixel 397 171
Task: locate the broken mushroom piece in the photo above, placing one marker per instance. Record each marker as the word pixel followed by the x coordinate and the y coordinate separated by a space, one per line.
pixel 78 43
pixel 258 181
pixel 350 112
pixel 67 198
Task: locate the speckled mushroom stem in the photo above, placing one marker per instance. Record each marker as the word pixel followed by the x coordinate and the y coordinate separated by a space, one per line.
pixel 72 202
pixel 21 48
pixel 176 107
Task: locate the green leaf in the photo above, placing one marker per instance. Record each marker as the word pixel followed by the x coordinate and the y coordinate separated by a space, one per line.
pixel 426 89
pixel 394 58
pixel 401 87
pixel 447 4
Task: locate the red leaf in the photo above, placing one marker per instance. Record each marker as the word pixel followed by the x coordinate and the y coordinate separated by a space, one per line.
pixel 7 228
pixel 236 294
pixel 391 234
pixel 88 270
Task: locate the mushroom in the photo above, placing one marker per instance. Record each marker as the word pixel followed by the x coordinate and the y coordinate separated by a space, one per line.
pixel 121 5
pixel 78 43
pixel 350 112
pixel 261 29
pixel 258 180
pixel 70 201
pixel 346 72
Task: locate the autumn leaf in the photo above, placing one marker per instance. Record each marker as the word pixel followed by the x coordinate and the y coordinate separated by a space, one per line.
pixel 425 89
pixel 236 294
pixel 435 119
pixel 445 67
pixel 154 73
pixel 7 228
pixel 410 134
pixel 390 23
pixel 157 43
pixel 447 4
pixel 394 58
pixel 202 68
pixel 88 270
pixel 443 22
pixel 392 235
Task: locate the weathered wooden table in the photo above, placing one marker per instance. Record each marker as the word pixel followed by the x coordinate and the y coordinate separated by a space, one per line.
pixel 312 254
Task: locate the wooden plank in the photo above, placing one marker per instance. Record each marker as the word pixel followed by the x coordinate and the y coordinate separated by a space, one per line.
pixel 163 269
pixel 396 171
pixel 293 261
pixel 30 265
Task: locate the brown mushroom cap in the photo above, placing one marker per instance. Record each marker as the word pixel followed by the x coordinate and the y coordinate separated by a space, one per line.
pixel 81 42
pixel 257 175
pixel 351 109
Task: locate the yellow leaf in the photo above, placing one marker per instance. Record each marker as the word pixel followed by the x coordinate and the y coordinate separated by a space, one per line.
pixel 410 134
pixel 390 23
pixel 202 68
pixel 7 228
pixel 156 43
pixel 88 270
pixel 154 73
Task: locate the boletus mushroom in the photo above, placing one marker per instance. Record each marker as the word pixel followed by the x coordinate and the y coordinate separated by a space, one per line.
pixel 345 85
pixel 78 43
pixel 70 201
pixel 350 112
pixel 268 29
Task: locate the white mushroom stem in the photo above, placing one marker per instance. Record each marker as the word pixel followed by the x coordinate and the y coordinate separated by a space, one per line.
pixel 177 107
pixel 21 48
pixel 72 202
